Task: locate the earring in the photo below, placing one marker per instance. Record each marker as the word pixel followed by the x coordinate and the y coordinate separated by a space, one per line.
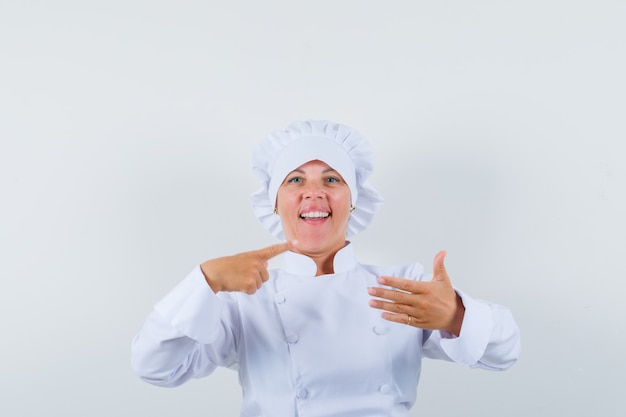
pixel 275 210
pixel 352 209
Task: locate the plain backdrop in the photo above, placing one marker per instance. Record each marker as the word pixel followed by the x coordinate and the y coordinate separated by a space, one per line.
pixel 126 129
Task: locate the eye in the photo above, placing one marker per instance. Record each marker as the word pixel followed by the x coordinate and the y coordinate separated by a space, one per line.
pixel 295 180
pixel 333 180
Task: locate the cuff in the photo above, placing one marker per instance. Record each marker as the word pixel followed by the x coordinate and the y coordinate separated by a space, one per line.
pixel 470 345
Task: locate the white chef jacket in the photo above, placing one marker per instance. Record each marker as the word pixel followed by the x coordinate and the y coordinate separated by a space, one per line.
pixel 312 346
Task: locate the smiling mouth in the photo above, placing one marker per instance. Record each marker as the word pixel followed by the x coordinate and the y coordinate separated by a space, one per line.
pixel 314 215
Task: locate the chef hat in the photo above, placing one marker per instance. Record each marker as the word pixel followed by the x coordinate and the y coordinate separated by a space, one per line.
pixel 342 148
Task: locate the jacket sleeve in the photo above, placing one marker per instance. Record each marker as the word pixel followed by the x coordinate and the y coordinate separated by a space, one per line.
pixel 489 339
pixel 189 333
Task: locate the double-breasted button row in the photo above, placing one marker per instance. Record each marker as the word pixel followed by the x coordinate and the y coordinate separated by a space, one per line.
pixel 279 298
pixel 385 389
pixel 380 329
pixel 294 337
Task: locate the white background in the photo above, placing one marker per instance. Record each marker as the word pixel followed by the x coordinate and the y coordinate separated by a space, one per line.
pixel 126 129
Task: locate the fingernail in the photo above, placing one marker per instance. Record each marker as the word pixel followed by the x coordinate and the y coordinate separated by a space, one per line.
pixel 381 280
pixel 372 303
pixel 371 291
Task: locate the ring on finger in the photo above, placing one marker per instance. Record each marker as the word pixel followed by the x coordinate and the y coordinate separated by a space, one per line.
pixel 408 320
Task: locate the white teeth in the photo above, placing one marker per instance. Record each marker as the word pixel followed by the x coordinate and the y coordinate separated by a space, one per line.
pixel 314 215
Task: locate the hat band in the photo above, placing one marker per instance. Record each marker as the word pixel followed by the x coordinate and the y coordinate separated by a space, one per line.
pixel 313 148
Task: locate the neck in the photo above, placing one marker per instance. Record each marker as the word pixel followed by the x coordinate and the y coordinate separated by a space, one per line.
pixel 324 261
pixel 325 264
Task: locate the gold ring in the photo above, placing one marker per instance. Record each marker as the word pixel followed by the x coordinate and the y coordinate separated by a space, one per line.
pixel 408 320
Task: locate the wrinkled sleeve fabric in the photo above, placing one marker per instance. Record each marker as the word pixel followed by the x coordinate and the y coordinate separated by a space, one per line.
pixel 190 332
pixel 489 339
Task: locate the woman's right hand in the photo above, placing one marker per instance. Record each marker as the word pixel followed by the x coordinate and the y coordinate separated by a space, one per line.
pixel 244 272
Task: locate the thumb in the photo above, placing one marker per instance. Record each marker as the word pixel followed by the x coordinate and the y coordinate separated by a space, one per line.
pixel 274 250
pixel 439 270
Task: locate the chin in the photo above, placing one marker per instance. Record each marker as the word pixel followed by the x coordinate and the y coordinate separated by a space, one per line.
pixel 319 245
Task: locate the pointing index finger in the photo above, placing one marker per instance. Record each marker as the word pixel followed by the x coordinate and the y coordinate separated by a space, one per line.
pixel 270 251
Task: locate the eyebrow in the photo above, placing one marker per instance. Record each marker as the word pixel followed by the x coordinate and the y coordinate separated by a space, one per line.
pixel 329 169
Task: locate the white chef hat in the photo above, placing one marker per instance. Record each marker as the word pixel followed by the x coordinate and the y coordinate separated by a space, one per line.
pixel 339 146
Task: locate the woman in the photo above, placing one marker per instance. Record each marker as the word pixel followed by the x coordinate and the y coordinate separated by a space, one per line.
pixel 323 335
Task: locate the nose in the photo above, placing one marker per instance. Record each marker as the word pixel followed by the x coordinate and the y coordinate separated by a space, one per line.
pixel 314 191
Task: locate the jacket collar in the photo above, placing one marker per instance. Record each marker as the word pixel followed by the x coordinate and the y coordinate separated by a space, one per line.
pixel 298 264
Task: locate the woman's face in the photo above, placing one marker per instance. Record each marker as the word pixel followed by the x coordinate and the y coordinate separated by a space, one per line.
pixel 313 203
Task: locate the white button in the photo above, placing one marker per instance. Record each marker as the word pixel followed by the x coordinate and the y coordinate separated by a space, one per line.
pixel 292 338
pixel 380 329
pixel 279 298
pixel 385 389
pixel 302 393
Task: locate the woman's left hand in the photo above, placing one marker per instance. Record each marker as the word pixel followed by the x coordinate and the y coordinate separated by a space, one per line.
pixel 431 305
